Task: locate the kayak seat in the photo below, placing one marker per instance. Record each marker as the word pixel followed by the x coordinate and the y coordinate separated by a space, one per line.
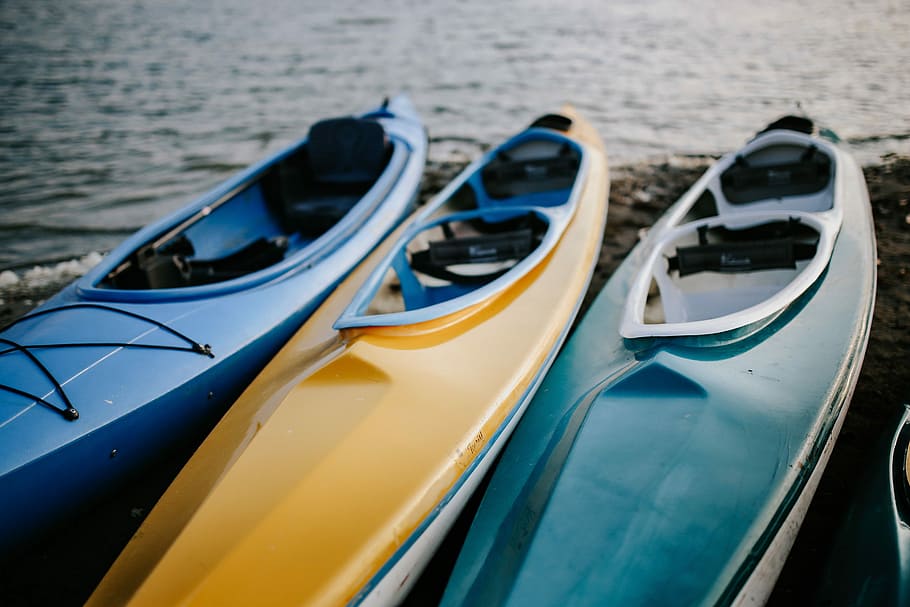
pixel 257 255
pixel 743 183
pixel 347 150
pixel 443 268
pixel 436 261
pixel 341 161
pixel 505 177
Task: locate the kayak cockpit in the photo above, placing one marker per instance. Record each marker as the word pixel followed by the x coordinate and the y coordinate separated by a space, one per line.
pixel 454 256
pixel 711 271
pixel 478 236
pixel 270 215
pixel 753 235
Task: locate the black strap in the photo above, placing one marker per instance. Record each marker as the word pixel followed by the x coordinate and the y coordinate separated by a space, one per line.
pixel 488 248
pixel 505 177
pixel 734 257
pixel 69 412
pixel 194 346
pixel 532 168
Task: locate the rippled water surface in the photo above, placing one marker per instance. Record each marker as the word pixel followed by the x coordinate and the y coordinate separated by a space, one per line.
pixel 114 112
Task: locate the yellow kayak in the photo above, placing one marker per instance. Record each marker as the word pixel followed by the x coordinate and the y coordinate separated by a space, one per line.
pixel 337 473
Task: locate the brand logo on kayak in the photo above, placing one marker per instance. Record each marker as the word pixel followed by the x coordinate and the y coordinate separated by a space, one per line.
pixel 779 177
pixel 728 260
pixel 481 252
pixel 535 171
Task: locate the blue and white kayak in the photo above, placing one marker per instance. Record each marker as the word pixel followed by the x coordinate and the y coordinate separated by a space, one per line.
pixel 153 345
pixel 673 449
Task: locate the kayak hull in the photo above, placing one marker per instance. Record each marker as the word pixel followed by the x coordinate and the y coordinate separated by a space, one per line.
pixel 869 561
pixel 354 450
pixel 674 467
pixel 150 371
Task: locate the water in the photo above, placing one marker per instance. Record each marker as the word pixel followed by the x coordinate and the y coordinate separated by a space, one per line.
pixel 115 112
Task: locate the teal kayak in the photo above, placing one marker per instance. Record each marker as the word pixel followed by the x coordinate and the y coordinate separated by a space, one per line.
pixel 673 448
pixel 869 561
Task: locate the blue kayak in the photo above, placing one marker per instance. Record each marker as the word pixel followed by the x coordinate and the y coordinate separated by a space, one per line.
pixel 151 347
pixel 673 448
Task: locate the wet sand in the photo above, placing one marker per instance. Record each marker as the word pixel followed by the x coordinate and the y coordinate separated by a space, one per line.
pixel 64 570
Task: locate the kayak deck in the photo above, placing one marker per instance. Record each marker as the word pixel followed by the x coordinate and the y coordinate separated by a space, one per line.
pixel 335 475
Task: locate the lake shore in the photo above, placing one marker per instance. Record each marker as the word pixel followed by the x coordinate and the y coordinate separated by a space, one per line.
pixel 639 194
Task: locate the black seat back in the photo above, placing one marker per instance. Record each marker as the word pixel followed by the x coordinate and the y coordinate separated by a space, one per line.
pixel 342 159
pixel 347 150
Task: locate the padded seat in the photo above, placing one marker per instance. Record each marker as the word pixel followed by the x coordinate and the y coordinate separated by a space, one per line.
pixel 347 150
pixel 505 177
pixel 343 159
pixel 743 183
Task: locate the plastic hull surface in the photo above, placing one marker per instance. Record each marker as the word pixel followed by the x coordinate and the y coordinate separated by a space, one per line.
pixel 869 563
pixel 336 474
pixel 671 471
pixel 135 403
